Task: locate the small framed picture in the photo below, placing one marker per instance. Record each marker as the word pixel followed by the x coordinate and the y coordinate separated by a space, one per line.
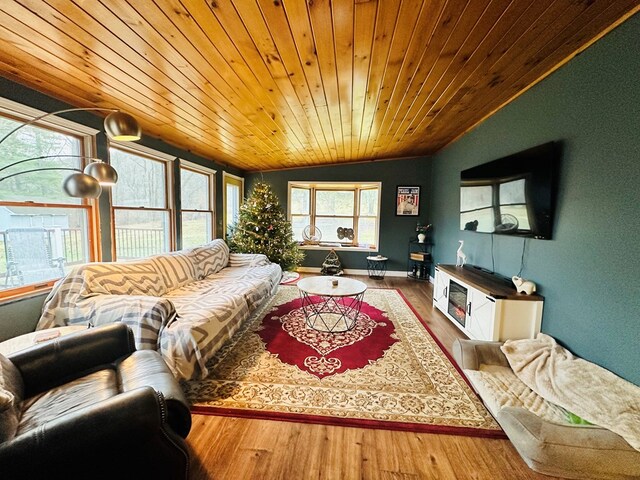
pixel 408 201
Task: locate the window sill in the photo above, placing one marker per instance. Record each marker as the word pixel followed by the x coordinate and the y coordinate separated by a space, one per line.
pixel 340 248
pixel 17 296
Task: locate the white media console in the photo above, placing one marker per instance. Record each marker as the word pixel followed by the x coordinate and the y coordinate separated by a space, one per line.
pixel 485 306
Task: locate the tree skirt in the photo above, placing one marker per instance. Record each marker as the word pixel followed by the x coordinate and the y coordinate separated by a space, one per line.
pixel 387 372
pixel 289 277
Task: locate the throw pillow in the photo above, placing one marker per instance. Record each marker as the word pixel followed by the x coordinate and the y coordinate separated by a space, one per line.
pixel 176 269
pixel 210 258
pixel 136 277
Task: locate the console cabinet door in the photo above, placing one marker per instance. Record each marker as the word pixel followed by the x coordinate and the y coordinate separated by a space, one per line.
pixel 481 311
pixel 441 291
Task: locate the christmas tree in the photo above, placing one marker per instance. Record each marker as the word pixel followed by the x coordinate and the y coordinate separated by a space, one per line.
pixel 262 227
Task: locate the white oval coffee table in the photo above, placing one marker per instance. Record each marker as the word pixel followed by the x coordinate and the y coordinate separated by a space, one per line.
pixel 328 307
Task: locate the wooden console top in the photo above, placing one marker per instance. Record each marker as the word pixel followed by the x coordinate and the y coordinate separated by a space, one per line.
pixel 488 283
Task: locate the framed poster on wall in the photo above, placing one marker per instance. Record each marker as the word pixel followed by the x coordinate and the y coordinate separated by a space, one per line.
pixel 408 201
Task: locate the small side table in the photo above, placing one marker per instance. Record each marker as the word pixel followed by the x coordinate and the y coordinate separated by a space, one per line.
pixel 377 266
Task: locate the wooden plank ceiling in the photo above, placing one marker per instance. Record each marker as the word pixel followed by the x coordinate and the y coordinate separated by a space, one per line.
pixel 273 84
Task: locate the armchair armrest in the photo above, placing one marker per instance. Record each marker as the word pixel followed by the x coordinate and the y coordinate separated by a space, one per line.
pixel 147 367
pixel 91 441
pixel 470 354
pixel 57 361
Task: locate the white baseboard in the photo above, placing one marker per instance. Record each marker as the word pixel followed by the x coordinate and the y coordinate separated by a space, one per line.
pixel 353 271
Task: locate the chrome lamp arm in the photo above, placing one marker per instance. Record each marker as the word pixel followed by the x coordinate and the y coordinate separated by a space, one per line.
pixel 118 125
pixel 42 157
pixel 87 184
pixel 77 184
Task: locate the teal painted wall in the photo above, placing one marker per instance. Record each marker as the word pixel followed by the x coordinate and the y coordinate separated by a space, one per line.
pixel 395 231
pixel 588 273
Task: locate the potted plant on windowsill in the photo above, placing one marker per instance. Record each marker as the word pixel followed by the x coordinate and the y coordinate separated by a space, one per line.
pixel 422 231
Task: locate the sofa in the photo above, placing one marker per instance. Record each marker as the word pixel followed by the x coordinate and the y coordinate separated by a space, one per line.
pixel 89 405
pixel 550 439
pixel 185 304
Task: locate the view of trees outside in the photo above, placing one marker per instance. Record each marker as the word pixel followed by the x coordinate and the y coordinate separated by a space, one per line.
pixel 141 185
pixel 233 196
pixel 66 227
pixel 30 142
pixel 334 209
pixel 141 181
pixel 368 218
pixel 195 190
pixel 300 209
pixel 197 227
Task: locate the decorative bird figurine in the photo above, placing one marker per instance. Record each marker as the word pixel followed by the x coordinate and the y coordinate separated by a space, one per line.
pixel 461 257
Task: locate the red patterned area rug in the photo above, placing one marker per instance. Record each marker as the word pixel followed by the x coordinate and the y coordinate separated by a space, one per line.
pixel 387 372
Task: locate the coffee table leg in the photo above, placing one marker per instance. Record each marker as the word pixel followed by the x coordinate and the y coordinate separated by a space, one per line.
pixel 307 307
pixel 347 308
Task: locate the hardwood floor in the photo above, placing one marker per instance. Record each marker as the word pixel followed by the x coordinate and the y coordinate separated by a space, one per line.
pixel 226 448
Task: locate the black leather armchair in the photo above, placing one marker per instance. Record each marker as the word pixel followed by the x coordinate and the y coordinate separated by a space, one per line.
pixel 88 405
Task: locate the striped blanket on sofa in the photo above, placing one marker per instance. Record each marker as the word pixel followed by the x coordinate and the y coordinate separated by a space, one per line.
pixel 185 304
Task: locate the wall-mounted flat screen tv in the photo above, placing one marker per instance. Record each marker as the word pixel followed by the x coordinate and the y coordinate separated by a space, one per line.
pixel 514 195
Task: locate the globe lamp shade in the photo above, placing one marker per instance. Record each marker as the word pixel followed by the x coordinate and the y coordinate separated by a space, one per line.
pixel 103 172
pixel 81 185
pixel 122 127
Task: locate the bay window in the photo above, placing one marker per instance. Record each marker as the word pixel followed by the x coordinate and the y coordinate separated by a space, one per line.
pixel 342 214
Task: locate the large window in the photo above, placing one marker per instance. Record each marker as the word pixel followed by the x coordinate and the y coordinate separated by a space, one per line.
pixel 140 202
pixel 197 219
pixel 43 231
pixel 341 214
pixel 233 196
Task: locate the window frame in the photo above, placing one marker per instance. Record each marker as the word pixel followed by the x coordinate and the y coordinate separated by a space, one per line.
pixel 87 141
pixel 357 188
pixel 169 202
pixel 230 179
pixel 211 174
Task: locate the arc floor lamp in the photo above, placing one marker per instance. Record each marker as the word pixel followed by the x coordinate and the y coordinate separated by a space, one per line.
pixel 88 183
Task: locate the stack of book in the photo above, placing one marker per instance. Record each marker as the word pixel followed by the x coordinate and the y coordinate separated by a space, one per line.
pixel 419 256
